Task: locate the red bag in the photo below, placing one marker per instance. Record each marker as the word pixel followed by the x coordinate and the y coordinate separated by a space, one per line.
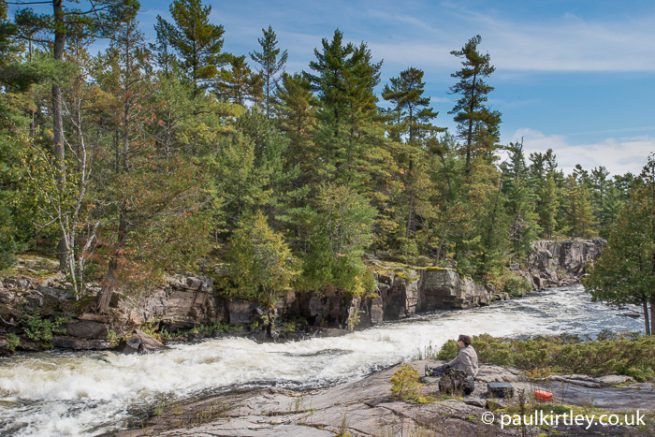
pixel 543 395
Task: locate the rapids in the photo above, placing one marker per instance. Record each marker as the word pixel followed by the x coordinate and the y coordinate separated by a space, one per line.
pixel 57 393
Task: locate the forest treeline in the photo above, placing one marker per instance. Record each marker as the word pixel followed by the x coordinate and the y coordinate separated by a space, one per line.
pixel 175 155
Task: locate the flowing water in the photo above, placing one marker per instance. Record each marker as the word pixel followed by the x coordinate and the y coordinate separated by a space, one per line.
pixel 89 393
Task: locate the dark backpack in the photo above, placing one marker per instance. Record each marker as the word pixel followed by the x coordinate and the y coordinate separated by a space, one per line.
pixel 455 382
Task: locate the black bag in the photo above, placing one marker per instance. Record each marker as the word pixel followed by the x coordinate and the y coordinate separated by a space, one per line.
pixel 500 389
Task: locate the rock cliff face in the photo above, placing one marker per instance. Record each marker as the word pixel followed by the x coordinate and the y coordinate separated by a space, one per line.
pixel 399 293
pixel 186 301
pixel 21 297
pixel 183 302
pixel 553 263
pixel 446 289
pixel 406 291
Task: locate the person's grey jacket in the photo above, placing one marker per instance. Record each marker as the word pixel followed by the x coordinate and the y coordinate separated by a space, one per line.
pixel 466 361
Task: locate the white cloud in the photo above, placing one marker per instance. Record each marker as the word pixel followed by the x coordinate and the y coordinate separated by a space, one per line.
pixel 619 156
pixel 567 44
pixel 439 99
pixel 573 45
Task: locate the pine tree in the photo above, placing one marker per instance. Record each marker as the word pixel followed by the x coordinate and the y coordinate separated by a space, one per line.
pixel 295 112
pixel 166 59
pixel 625 271
pixel 296 115
pixel 350 132
pixel 606 199
pixel 478 126
pixel 197 43
pixel 160 221
pixel 239 84
pixel 450 225
pixel 341 226
pixel 411 125
pixel 543 180
pixel 579 220
pixel 128 59
pixel 329 82
pixel 520 201
pixel 9 117
pixel 412 112
pixel 271 60
pixel 549 204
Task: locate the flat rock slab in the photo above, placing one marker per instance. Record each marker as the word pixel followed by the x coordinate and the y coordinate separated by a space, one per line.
pixel 362 408
pixel 365 408
pixel 639 396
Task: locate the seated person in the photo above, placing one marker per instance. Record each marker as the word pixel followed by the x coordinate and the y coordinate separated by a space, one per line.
pixel 463 367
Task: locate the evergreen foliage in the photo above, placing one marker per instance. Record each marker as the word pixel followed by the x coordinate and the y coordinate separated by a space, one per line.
pixel 260 262
pixel 167 155
pixel 625 272
pixel 271 60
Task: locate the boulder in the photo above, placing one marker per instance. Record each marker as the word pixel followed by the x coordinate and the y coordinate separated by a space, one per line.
pixel 87 329
pixel 140 342
pixel 76 343
pixel 375 310
pixel 56 293
pixel 21 298
pixel 18 282
pixel 609 380
pixel 492 373
pixel 581 380
pixel 7 296
pixel 188 282
pixel 592 382
pixel 475 401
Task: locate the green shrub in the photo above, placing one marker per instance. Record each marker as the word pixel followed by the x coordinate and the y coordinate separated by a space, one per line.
pixel 448 351
pixel 516 285
pixel 294 324
pixel 353 320
pixel 290 327
pixel 260 262
pixel 12 341
pixel 152 330
pixel 405 385
pixel 623 355
pixel 214 328
pixel 113 338
pixel 42 330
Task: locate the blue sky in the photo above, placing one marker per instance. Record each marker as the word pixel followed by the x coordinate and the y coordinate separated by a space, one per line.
pixel 577 76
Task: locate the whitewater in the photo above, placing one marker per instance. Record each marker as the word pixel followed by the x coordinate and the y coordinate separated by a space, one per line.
pixel 89 393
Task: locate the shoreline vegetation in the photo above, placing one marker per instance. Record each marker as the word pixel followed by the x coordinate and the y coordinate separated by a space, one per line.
pixel 170 154
pixel 39 312
pixel 629 354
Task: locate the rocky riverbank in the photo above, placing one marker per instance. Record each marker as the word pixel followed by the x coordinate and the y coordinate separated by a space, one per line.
pixel 37 311
pixel 366 408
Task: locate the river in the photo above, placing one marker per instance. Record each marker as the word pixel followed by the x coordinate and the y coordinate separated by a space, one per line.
pixel 70 394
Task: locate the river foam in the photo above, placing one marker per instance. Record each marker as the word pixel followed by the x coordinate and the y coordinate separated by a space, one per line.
pixel 88 393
